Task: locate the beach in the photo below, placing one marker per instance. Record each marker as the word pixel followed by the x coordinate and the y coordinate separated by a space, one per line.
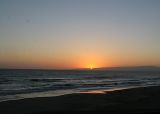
pixel 142 100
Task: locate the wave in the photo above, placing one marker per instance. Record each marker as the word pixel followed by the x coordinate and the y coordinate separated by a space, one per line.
pixel 45 79
pixel 4 80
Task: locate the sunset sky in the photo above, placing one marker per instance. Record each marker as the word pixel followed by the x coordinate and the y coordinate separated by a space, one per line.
pixel 62 34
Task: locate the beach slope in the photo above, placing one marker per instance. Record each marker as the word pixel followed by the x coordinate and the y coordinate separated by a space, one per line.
pixel 143 100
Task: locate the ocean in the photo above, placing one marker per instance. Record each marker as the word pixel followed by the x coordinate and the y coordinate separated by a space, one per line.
pixel 19 84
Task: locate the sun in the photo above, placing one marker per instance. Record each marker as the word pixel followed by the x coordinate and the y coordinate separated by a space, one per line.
pixel 91 67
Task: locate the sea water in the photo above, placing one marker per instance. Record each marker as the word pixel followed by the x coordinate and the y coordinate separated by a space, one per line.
pixel 18 84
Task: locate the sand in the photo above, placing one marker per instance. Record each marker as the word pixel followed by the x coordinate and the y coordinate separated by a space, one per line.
pixel 143 100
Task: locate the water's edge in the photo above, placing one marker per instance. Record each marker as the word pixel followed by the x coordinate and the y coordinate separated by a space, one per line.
pixel 67 92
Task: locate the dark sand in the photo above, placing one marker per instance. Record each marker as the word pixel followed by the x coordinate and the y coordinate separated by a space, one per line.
pixel 145 100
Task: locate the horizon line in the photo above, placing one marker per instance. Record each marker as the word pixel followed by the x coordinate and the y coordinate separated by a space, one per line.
pixel 96 68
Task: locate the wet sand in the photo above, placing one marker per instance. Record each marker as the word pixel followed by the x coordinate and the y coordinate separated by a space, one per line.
pixel 143 100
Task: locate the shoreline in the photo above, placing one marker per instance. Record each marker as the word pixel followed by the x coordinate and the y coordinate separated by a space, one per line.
pixel 135 100
pixel 56 93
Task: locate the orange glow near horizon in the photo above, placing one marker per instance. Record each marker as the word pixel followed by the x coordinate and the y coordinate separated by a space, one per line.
pixel 87 61
pixel 92 61
pixel 81 59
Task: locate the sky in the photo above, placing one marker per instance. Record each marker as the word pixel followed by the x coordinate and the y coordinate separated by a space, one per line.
pixel 64 34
